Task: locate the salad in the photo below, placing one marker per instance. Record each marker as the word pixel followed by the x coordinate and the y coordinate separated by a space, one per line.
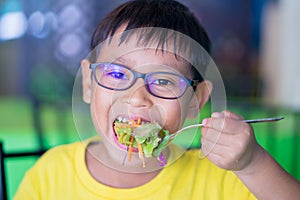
pixel 149 138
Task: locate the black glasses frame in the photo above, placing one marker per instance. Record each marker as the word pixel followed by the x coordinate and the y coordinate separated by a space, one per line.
pixel 190 82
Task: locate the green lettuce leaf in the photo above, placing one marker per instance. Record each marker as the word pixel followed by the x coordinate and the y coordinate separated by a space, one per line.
pixel 151 136
pixel 163 143
pixel 147 129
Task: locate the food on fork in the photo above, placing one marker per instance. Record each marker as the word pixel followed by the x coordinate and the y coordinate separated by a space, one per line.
pixel 147 137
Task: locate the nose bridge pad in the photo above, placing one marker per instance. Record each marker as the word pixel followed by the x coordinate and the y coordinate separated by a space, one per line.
pixel 139 92
pixel 142 76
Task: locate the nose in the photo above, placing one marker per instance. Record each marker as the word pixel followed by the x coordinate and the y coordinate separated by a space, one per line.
pixel 137 95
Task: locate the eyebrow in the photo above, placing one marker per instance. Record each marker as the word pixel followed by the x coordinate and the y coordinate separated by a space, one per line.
pixel 123 60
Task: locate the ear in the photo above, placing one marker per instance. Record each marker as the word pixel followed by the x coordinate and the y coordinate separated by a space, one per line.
pixel 86 81
pixel 199 98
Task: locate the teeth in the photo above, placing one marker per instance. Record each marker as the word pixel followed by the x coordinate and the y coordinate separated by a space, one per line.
pixel 126 120
pixel 122 119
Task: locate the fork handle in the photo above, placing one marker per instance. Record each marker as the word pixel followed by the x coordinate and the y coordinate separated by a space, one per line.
pixel 263 120
pixel 273 119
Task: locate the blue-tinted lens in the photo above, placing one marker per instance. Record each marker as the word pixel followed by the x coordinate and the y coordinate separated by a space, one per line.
pixel 113 76
pixel 166 85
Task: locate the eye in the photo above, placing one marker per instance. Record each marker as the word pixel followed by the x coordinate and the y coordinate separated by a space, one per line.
pixel 116 72
pixel 162 82
pixel 117 75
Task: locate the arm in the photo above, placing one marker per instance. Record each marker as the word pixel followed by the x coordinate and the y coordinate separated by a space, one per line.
pixel 268 180
pixel 230 144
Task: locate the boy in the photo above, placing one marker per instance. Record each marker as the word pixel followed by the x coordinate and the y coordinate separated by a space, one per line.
pixel 124 54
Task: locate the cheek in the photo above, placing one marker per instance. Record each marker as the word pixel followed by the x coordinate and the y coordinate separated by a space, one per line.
pixel 174 116
pixel 100 109
pixel 179 112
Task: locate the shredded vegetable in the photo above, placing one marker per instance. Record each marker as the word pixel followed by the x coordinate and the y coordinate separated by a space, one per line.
pixel 149 138
pixel 141 154
pixel 130 148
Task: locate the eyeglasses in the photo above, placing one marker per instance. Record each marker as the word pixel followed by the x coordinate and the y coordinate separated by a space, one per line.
pixel 118 77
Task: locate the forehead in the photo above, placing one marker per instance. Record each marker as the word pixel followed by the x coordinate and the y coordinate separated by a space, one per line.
pixel 152 60
pixel 137 50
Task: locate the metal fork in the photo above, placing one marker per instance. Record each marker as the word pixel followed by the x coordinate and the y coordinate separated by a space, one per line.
pixel 273 119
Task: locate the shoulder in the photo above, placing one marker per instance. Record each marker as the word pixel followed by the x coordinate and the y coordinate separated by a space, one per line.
pixel 65 149
pixel 62 151
pixel 60 157
pixel 51 170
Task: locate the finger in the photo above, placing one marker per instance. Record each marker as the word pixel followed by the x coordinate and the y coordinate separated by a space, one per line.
pixel 229 114
pixel 227 125
pixel 214 136
pixel 223 161
pixel 210 135
pixel 210 148
pixel 218 115
pixel 228 152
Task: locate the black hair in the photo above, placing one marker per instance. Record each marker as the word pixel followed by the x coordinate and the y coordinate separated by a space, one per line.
pixel 166 14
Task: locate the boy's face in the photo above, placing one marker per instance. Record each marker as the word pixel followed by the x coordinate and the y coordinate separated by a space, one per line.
pixel 136 102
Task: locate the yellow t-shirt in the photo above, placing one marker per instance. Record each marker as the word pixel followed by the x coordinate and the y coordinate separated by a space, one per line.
pixel 61 174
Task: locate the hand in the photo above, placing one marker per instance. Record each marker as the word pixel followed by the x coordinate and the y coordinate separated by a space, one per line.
pixel 229 142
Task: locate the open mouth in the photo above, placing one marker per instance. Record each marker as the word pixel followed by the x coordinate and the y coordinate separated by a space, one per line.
pixel 123 132
pixel 138 135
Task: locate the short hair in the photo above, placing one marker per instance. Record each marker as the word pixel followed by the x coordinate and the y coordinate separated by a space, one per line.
pixel 166 14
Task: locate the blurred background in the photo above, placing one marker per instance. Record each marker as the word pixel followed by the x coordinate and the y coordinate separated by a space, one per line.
pixel 255 46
